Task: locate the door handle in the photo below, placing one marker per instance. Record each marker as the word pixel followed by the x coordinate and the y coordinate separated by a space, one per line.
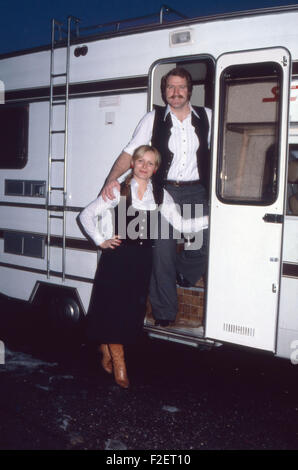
pixel 273 218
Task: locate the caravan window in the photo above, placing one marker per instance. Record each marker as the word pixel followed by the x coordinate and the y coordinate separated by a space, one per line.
pixel 202 72
pixel 249 140
pixel 292 200
pixel 13 136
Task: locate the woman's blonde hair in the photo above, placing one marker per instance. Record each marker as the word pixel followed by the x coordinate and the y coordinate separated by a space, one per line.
pixel 139 153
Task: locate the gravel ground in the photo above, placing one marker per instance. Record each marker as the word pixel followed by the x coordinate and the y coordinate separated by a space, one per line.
pixel 54 396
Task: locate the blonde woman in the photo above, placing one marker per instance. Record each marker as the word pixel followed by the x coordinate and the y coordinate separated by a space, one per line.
pixel 118 302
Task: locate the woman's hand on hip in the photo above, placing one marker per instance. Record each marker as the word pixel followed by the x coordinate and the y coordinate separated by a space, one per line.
pixel 111 243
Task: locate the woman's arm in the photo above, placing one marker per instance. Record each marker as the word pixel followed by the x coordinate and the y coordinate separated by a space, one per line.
pixel 173 215
pixel 89 218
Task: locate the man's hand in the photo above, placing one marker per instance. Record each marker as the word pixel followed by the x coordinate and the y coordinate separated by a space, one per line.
pixel 120 166
pixel 111 243
pixel 107 191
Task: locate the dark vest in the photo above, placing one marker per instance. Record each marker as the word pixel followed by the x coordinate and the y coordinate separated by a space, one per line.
pixel 160 139
pixel 123 220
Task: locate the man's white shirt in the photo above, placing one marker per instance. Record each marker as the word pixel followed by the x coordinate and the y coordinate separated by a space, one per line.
pixel 183 143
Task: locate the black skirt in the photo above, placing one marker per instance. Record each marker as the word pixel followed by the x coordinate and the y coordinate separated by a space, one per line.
pixel 118 301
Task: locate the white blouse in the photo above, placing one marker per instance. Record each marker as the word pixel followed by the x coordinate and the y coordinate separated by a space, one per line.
pixel 100 209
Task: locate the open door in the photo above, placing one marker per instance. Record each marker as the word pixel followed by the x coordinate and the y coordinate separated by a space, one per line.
pixel 247 196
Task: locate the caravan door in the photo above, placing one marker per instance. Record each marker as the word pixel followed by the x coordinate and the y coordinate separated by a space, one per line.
pixel 247 196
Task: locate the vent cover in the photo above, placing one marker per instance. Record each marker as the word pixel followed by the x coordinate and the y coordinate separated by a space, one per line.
pixel 238 329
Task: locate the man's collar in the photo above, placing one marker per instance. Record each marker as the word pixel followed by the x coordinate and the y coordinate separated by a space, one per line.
pixel 192 110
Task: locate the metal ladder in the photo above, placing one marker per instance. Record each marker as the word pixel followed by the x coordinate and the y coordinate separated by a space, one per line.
pixel 54 211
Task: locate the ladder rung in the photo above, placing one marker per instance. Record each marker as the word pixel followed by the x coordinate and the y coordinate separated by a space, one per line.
pixel 55 75
pixel 52 208
pixel 56 216
pixel 57 160
pixel 58 132
pixel 57 103
pixel 57 189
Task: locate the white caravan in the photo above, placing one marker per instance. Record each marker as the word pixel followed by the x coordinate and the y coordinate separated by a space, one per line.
pixel 69 109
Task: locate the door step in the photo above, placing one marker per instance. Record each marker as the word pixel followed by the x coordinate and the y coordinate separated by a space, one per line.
pixel 190 309
pixel 193 338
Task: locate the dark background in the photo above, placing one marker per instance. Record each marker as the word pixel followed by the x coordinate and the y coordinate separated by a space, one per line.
pixel 26 24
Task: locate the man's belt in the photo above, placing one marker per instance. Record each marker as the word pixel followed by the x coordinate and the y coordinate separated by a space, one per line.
pixel 182 183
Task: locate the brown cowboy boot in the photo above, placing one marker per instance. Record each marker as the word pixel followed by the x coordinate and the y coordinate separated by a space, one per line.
pixel 119 366
pixel 106 360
